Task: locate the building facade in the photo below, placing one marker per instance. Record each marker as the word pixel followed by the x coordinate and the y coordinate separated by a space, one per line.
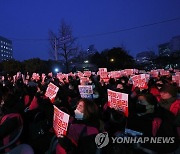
pixel 6 49
pixel 145 57
pixel 175 44
pixel 171 47
pixel 164 49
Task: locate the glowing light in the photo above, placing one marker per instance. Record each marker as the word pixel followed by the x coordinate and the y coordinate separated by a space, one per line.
pixel 56 70
pixel 86 61
pixel 111 60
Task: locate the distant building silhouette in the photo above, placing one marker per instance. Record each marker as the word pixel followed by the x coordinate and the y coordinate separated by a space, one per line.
pixel 145 57
pixel 6 50
pixel 164 49
pixel 174 44
pixel 171 47
pixel 91 50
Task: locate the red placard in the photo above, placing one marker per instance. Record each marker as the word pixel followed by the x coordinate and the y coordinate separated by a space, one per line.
pixel 84 80
pixel 60 122
pixel 51 91
pixel 140 81
pixel 102 69
pixel 154 73
pixel 87 74
pixel 118 101
pixel 35 76
pixel 176 79
pixel 129 71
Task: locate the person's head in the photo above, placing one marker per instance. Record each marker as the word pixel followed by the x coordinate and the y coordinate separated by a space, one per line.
pixel 95 93
pixel 159 84
pixel 146 103
pixel 120 86
pixel 71 87
pixel 116 122
pixel 112 81
pixel 86 109
pixel 124 80
pixel 9 102
pixel 168 91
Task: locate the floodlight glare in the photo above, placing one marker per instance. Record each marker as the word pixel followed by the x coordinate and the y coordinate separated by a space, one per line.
pixel 86 61
pixel 56 70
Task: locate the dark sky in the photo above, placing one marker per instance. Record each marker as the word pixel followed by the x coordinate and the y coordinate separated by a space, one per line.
pixel 26 23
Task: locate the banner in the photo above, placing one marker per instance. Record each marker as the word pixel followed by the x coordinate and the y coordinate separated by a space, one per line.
pixel 164 72
pixel 86 91
pixel 80 74
pixel 102 70
pixel 129 72
pixel 60 122
pixel 62 77
pixel 51 91
pixel 118 101
pixel 115 74
pixel 142 71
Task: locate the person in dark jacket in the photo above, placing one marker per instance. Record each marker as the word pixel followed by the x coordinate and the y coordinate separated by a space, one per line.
pixel 171 103
pixel 11 122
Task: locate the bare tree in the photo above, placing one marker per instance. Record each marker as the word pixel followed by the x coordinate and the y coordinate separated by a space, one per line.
pixel 63 44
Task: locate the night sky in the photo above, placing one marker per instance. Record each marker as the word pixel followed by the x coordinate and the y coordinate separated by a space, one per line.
pixel 26 23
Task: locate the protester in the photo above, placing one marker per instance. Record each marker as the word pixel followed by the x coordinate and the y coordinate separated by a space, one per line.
pixel 153 109
pixel 171 103
pixel 81 133
pixel 11 122
pixel 145 108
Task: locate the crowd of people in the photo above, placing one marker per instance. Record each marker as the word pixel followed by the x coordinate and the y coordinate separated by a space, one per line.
pixel 26 115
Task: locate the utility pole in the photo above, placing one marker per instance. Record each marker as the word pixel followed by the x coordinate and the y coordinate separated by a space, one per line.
pixel 55 49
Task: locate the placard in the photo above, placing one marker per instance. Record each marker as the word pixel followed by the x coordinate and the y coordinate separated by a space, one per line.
pixel 60 122
pixel 118 101
pixel 86 91
pixel 51 91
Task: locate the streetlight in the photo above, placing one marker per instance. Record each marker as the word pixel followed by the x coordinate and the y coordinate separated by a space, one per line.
pixel 111 60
